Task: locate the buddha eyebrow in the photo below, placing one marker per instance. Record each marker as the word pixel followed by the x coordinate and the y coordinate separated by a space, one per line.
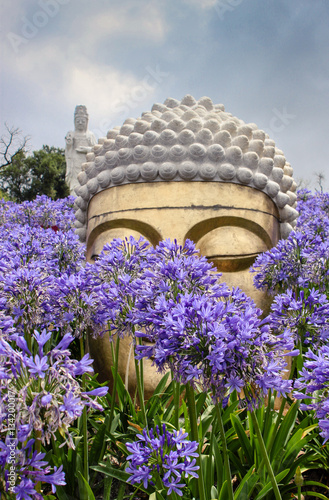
pixel 235 256
pixel 186 207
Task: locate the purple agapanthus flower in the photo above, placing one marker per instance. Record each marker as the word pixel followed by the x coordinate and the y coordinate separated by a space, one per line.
pixel 37 366
pixel 60 391
pixel 162 455
pixel 208 335
pixel 300 261
pixel 45 396
pixel 312 386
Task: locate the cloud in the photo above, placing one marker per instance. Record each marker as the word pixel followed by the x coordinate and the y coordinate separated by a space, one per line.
pixel 110 94
pixel 124 21
pixel 202 4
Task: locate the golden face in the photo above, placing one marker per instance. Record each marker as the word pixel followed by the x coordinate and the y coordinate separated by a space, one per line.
pixel 230 224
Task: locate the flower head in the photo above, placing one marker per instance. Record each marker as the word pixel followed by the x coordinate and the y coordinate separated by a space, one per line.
pixel 163 455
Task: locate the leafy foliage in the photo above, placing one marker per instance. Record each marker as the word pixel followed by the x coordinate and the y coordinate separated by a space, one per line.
pixel 43 172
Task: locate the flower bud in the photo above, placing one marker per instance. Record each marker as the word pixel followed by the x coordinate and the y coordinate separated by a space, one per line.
pixel 299 481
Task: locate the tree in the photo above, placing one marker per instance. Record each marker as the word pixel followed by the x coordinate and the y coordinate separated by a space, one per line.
pixel 320 180
pixel 11 144
pixel 43 172
pixel 13 177
pixel 23 176
pixel 47 173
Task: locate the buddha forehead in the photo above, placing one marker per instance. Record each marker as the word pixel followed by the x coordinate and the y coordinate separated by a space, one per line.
pixel 180 158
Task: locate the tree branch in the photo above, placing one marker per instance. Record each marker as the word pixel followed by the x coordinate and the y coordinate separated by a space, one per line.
pixel 12 143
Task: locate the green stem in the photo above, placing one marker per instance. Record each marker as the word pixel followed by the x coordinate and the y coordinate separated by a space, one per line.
pixel 141 366
pixel 282 407
pixel 114 387
pixel 277 423
pixel 37 446
pixel 115 358
pixel 134 493
pixel 84 423
pixel 225 454
pixel 299 491
pixel 195 436
pixel 140 392
pixel 265 457
pixel 28 338
pixel 107 488
pixel 176 387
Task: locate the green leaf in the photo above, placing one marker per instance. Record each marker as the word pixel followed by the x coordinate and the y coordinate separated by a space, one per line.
pixel 156 495
pixel 61 495
pixel 290 457
pixel 268 487
pixel 209 469
pixel 228 410
pixel 316 483
pixel 223 495
pixel 200 400
pixel 121 492
pixel 83 492
pixel 247 485
pixel 95 452
pixel 108 470
pixel 213 492
pixel 319 496
pixel 300 363
pixel 284 430
pixel 107 487
pixel 219 464
pixel 90 495
pixel 114 424
pixel 236 461
pixel 244 442
pixel 124 397
pixel 155 401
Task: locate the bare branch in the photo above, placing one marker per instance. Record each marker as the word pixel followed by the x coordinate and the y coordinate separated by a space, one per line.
pixel 12 143
pixel 320 179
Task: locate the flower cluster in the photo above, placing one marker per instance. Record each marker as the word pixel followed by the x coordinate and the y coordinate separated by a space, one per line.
pixel 217 344
pixel 20 461
pixel 171 298
pixel 305 313
pixel 44 383
pixel 118 278
pixel 208 335
pixel 314 382
pixel 43 212
pixel 45 387
pixel 302 260
pixel 298 269
pixel 33 259
pixel 162 457
pixel 44 295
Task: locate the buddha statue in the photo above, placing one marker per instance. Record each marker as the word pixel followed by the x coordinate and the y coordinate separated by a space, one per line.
pixel 186 170
pixel 78 144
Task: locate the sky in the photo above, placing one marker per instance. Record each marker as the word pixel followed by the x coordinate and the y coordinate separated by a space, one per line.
pixel 265 60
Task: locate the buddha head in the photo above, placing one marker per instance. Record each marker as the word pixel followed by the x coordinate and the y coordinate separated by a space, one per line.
pixel 186 170
pixel 81 118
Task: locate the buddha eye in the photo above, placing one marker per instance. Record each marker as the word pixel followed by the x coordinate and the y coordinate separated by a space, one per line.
pixel 231 248
pixel 232 264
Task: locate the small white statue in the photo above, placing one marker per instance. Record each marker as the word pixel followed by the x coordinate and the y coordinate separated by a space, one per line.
pixel 78 144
